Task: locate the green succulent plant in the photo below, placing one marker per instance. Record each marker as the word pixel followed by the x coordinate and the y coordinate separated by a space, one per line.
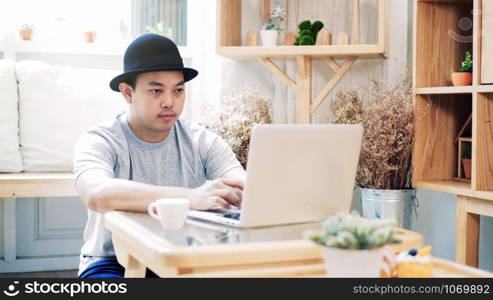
pixel 466 65
pixel 307 32
pixel 354 232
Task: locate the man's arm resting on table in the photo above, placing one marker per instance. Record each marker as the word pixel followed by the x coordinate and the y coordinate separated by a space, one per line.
pixel 101 192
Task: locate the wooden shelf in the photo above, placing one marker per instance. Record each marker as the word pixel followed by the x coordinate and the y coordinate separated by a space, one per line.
pixel 229 44
pixel 292 52
pixel 453 187
pixel 454 90
pixel 485 88
pixel 445 90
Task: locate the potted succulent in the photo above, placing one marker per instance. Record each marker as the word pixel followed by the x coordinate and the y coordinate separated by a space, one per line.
pixel 270 31
pixel 352 245
pixel 464 76
pixel 26 32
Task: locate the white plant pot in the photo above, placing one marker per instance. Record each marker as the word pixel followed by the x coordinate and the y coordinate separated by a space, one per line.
pixel 353 263
pixel 269 37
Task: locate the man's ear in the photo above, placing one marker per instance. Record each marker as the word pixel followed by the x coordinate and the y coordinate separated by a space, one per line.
pixel 126 91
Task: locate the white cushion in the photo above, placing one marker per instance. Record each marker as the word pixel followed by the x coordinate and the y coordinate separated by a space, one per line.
pixel 57 104
pixel 10 156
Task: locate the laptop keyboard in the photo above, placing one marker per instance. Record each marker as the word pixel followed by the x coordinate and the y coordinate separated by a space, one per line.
pixel 234 216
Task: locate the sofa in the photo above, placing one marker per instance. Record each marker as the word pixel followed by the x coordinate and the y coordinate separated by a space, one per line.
pixel 43 110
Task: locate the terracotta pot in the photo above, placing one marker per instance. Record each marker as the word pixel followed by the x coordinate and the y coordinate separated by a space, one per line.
pixel 26 34
pixel 90 36
pixel 466 163
pixel 461 78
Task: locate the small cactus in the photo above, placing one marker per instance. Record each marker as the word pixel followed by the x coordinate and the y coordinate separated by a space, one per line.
pixel 354 232
pixel 307 33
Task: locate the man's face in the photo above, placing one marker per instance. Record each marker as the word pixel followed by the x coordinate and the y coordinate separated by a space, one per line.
pixel 157 102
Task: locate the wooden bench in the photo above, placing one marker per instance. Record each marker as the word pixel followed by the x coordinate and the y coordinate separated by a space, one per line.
pixel 20 185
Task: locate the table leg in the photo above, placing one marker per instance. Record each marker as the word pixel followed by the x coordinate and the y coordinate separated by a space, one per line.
pixel 133 267
pixel 467 234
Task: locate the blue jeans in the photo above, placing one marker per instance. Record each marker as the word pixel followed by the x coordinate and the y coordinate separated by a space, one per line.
pixel 108 268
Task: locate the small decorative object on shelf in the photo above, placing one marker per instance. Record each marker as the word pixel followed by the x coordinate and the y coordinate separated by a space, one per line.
pixel 26 32
pixel 307 33
pixel 270 31
pixel 353 246
pixel 324 37
pixel 464 150
pixel 415 263
pixel 466 163
pixel 90 36
pixel 343 39
pixel 162 30
pixel 252 38
pixel 289 38
pixel 464 76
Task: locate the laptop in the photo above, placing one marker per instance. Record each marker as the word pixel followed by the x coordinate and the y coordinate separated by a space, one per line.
pixel 295 174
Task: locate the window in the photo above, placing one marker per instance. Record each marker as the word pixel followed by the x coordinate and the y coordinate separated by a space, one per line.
pixel 62 23
pixel 169 17
pixel 67 20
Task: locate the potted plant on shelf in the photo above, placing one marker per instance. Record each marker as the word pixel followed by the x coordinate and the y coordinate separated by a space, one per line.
pixel 270 31
pixel 352 245
pixel 90 36
pixel 384 170
pixel 307 33
pixel 26 32
pixel 464 76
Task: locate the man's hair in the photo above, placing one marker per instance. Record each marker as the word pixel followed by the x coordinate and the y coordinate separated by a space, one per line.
pixel 131 80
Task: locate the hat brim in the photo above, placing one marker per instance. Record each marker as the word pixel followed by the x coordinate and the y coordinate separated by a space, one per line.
pixel 188 74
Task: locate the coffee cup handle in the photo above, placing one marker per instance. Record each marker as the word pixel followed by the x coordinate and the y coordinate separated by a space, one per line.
pixel 151 210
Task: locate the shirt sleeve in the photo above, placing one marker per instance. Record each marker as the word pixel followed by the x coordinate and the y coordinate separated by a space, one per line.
pixel 217 156
pixel 93 151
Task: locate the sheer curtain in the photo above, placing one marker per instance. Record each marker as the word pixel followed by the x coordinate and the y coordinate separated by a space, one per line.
pixel 172 13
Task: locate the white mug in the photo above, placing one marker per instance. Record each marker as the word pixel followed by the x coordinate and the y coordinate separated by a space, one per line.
pixel 171 212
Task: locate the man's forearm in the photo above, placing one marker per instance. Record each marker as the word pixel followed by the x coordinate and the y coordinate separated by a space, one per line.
pixel 125 195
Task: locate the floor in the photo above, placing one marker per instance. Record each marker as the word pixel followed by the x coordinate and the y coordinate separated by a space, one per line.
pixel 50 274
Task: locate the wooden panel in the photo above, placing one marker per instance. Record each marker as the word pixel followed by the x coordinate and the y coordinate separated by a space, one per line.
pixel 304 90
pixel 487 43
pixel 440 42
pixel 467 234
pixel 438 120
pixel 484 145
pixel 229 23
pixel 37 185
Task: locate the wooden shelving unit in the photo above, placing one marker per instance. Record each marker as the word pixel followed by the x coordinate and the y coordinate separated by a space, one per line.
pixel 442 33
pixel 229 45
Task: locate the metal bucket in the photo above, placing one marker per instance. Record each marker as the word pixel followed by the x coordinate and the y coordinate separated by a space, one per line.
pixel 389 204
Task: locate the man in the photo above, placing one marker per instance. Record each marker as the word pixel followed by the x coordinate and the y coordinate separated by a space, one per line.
pixel 149 153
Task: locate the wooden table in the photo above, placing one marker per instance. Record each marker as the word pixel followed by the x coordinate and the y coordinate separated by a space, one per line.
pixel 203 249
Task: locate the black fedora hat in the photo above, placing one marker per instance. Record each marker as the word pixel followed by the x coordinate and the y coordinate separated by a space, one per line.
pixel 151 52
